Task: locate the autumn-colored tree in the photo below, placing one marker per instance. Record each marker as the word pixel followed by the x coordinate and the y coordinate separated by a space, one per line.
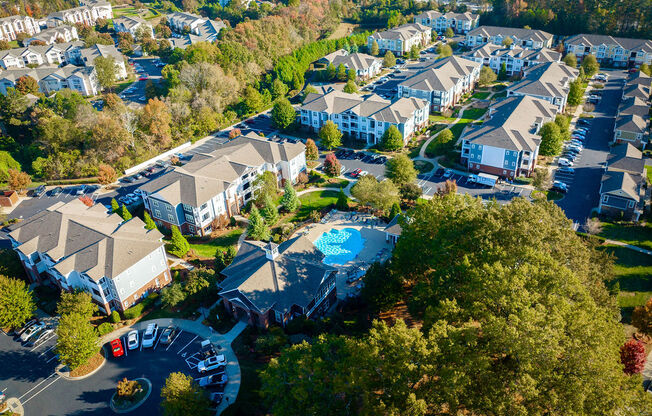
pixel 234 133
pixel 449 187
pixel 106 174
pixel 86 200
pixel 18 180
pixel 127 388
pixel 312 153
pixel 632 356
pixel 26 85
pixel 332 166
pixel 642 317
pixel 155 120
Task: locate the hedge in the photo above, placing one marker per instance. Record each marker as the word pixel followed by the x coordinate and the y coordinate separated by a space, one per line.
pixel 105 328
pixel 77 181
pixel 138 309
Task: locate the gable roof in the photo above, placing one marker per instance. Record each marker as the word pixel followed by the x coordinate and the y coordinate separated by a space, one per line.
pixel 130 22
pixel 441 75
pixel 634 105
pixel 626 158
pixel 394 227
pixel 631 123
pixel 435 14
pixel 355 61
pixel 489 50
pixel 620 184
pixel 550 79
pixel 512 32
pixel 597 40
pixel 403 32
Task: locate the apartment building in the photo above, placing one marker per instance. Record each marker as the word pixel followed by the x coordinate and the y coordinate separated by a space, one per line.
pixel 63 33
pixel 86 14
pixel 439 22
pixel 56 54
pixel 133 25
pixel 515 58
pixel 74 246
pixel 442 83
pixel 364 118
pixel 88 56
pixel 214 186
pixel 365 66
pixel 52 79
pixel 549 81
pixel 507 144
pixel 12 25
pixel 207 29
pixel 620 52
pixel 401 39
pixel 525 38
pixel 633 115
pixel 623 189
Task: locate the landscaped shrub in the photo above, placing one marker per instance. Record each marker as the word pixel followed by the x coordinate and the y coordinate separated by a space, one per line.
pixel 272 341
pixel 134 312
pixel 105 328
pixel 115 317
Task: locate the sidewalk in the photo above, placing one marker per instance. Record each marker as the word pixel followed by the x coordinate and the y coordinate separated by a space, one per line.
pixel 629 246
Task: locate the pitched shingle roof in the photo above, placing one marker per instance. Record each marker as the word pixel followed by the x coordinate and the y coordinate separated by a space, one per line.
pixel 597 40
pixel 549 79
pixel 490 50
pixel 522 34
pixel 403 32
pixel 434 14
pixel 620 184
pixel 626 158
pixel 355 61
pixel 441 75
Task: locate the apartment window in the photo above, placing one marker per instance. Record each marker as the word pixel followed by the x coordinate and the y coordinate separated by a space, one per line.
pixel 157 213
pixel 96 292
pixel 205 216
pixel 191 228
pixel 168 207
pixel 203 207
pixel 170 218
pixel 630 204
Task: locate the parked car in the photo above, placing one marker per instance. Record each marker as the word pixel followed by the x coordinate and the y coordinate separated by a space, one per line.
pixel 144 77
pixel 564 162
pixel 116 348
pixel 56 191
pixel 38 191
pixel 167 335
pixel 355 173
pixel 216 398
pixel 211 363
pixel 439 172
pixel 214 379
pixel 132 340
pixel 31 331
pixel 128 179
pixel 38 336
pixel 566 169
pixel 163 163
pixel 575 148
pixel 448 173
pixel 149 337
pixel 559 187
pixel 25 327
pixel 583 122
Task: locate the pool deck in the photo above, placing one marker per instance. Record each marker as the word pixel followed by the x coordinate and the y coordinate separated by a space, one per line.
pixel 376 248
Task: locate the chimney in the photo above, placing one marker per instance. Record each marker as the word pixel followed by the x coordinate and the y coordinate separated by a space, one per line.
pixel 271 251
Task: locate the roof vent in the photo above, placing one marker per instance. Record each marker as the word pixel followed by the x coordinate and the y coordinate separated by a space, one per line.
pixel 271 251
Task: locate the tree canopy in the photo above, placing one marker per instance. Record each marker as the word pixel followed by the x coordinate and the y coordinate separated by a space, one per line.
pixel 283 114
pixel 400 169
pixel 16 303
pixel 330 135
pixel 392 139
pixel 182 396
pixel 551 139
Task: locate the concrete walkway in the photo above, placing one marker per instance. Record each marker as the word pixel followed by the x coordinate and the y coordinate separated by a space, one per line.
pixel 222 343
pixel 176 261
pixel 629 246
pixel 347 189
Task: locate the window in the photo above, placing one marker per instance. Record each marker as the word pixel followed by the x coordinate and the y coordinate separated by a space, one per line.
pixel 170 217
pixel 157 213
pixel 205 216
pixel 168 207
pixel 96 292
pixel 203 207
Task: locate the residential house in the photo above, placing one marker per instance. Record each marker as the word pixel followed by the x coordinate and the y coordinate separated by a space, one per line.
pixel 443 82
pixel 549 81
pixel 269 283
pixel 623 189
pixel 633 114
pixel 182 22
pixel 74 246
pixel 133 25
pixel 525 38
pixel 13 25
pixel 365 66
pixel 636 90
pixel 400 40
pixel 620 52
pixel 364 117
pixel 212 187
pixel 52 79
pixel 86 14
pixel 88 56
pixel 60 34
pixel 515 58
pixel 507 144
pixel 439 22
pixel 56 54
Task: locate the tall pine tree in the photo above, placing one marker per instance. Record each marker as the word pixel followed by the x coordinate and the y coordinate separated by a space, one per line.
pixel 257 229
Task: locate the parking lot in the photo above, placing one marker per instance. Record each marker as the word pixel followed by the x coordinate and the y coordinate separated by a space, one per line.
pixel 135 93
pixel 29 375
pixel 359 161
pixel 503 193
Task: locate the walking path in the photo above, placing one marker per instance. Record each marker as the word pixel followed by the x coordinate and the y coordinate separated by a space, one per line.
pixel 347 189
pixel 635 248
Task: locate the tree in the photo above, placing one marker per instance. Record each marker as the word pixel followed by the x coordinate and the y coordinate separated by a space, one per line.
pixel 571 60
pixel 224 257
pixel 575 93
pixel 350 87
pixel 78 301
pixel 410 192
pixel 563 122
pixel 449 187
pixel 308 90
pixel 590 65
pixel 374 48
pixel 182 396
pixel 18 181
pixel 400 169
pixel 382 287
pixel 332 166
pixel 77 340
pixel 106 174
pixel 124 213
pixel 645 68
pixel 541 179
pixel 342 201
pixel 105 67
pixel 4 45
pixel 312 153
pixel 632 356
pixel 642 317
pixel 502 74
pixel 396 209
pixel 290 201
pixel 392 139
pixel 507 42
pixel 266 184
pixel 172 295
pixel 155 120
pixel 179 246
pixel 351 75
pixel 16 303
pixel 389 60
pixel 445 50
pixel 26 85
pixel 283 114
pixel 115 207
pixel 269 211
pixel 235 132
pixel 414 52
pixel 551 139
pixel 341 73
pixel 380 195
pixel 278 89
pixel 257 228
pixel 331 71
pixel 449 33
pixel 126 389
pixel 593 226
pixel 487 76
pixel 149 222
pixel 330 135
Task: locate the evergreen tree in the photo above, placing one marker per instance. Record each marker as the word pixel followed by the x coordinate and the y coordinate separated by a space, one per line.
pixel 392 139
pixel 115 207
pixel 414 52
pixel 341 73
pixel 342 201
pixel 124 213
pixel 331 71
pixel 257 228
pixel 502 74
pixel 270 212
pixel 576 93
pixel 396 209
pixel 389 60
pixel 149 222
pixel 450 33
pixel 374 48
pixel 179 244
pixel 290 201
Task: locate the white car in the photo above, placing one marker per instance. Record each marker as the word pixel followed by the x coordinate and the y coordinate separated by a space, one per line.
pixel 448 173
pixel 564 162
pixel 150 335
pixel 211 363
pixel 31 331
pixel 132 340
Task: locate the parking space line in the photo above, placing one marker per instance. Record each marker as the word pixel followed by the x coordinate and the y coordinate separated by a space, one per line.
pixel 55 356
pixel 175 338
pixel 43 342
pixel 40 391
pixel 46 351
pixel 428 190
pixel 126 348
pixel 196 336
pixel 41 382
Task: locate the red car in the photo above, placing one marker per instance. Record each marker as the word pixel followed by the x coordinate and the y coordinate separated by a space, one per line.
pixel 356 172
pixel 142 79
pixel 116 347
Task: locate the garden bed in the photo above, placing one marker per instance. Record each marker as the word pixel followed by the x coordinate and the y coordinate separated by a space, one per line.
pixel 423 166
pixel 93 364
pixel 120 405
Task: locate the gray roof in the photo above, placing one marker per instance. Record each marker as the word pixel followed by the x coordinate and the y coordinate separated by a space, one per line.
pixel 631 123
pixel 626 158
pixel 550 79
pixel 621 184
pixel 597 40
pixel 40 49
pixel 637 90
pixel 403 32
pixel 370 106
pixel 634 105
pixel 512 32
pixel 511 125
pixel 86 239
pixel 46 71
pixel 355 61
pixel 46 34
pixel 639 78
pixel 394 228
pixel 292 278
pixel 441 75
pixel 130 22
pixel 490 50
pixel 434 14
pixel 95 51
pixel 209 174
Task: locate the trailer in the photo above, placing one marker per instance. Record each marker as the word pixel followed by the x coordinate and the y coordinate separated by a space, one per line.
pixel 484 179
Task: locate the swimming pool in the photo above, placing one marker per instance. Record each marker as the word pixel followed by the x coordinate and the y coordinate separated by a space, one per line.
pixel 340 246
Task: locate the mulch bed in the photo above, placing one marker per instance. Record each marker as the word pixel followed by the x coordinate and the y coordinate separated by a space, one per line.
pixel 92 364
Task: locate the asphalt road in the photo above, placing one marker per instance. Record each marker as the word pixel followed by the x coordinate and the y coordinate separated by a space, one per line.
pixel 584 186
pixel 136 90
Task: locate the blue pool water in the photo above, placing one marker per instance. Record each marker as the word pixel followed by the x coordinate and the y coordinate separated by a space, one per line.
pixel 340 246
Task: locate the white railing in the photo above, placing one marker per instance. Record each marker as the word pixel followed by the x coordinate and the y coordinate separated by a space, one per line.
pixel 153 160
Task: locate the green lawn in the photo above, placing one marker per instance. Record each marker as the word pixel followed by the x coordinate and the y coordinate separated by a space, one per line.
pixel 473 113
pixel 206 247
pixel 481 95
pixel 422 166
pixel 636 235
pixel 314 200
pixel 649 173
pixel 502 94
pixel 441 119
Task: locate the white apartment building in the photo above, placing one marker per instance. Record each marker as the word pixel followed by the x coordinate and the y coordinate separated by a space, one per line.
pixel 12 25
pixel 439 22
pixel 525 38
pixel 133 25
pixel 63 33
pixel 443 82
pixel 74 246
pixel 52 79
pixel 621 52
pixel 195 25
pixel 364 117
pixel 401 39
pixel 214 186
pixel 515 58
pixel 88 56
pixel 56 54
pixel 87 14
pixel 365 66
pixel 549 81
